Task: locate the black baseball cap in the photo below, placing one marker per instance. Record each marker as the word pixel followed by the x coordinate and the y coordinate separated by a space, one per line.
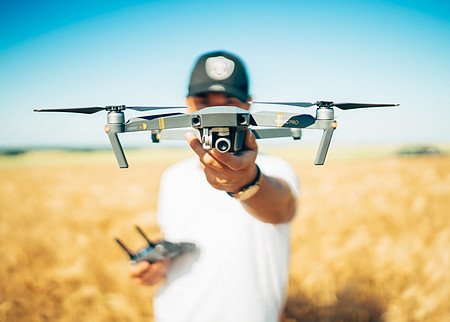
pixel 219 71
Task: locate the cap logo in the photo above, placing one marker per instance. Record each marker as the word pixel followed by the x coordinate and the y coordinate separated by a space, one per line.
pixel 219 68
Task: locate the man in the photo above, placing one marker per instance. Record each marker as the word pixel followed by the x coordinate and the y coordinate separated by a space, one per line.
pixel 234 207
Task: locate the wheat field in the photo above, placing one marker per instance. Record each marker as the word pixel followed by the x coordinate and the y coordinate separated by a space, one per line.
pixel 370 242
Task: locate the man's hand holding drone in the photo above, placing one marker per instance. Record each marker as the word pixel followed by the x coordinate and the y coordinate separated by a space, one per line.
pixel 231 172
pixel 225 171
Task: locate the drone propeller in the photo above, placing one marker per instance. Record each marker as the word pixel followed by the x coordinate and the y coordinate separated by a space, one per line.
pixel 351 106
pixel 298 104
pixel 95 109
pixel 342 106
pixel 82 110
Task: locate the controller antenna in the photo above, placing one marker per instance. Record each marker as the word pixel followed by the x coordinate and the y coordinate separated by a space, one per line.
pixel 150 243
pixel 125 248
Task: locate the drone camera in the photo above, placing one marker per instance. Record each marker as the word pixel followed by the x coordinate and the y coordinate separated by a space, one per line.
pixel 243 120
pixel 223 145
pixel 196 121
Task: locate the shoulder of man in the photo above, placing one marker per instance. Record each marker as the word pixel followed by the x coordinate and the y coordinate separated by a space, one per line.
pixel 180 168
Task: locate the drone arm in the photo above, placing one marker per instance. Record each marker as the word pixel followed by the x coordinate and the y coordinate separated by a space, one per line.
pixel 176 134
pixel 282 120
pixel 276 133
pixel 328 127
pixel 158 122
pixel 294 121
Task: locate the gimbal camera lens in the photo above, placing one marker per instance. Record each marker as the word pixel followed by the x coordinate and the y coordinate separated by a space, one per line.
pixel 223 145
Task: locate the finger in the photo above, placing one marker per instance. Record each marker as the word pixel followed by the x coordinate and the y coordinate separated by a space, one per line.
pixel 250 141
pixel 150 277
pixel 242 159
pixel 155 274
pixel 205 157
pixel 139 269
pixel 239 161
pixel 195 144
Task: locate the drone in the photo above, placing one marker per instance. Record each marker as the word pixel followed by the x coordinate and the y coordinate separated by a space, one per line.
pixel 156 251
pixel 221 127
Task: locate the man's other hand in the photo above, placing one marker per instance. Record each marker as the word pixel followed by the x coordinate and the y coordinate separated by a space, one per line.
pixel 146 273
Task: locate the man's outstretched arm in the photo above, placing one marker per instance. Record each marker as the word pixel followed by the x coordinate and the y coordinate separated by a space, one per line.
pixel 273 203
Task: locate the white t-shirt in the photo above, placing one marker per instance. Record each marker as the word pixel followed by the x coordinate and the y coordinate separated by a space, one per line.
pixel 240 272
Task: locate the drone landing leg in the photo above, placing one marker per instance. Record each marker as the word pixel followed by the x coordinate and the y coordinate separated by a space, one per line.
pixel 118 151
pixel 324 145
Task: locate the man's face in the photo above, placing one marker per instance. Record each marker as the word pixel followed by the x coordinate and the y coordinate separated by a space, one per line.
pixel 196 103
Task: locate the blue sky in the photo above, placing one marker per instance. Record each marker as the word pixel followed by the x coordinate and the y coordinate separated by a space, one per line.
pixel 96 53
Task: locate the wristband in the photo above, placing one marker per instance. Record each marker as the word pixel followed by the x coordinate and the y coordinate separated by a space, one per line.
pixel 249 190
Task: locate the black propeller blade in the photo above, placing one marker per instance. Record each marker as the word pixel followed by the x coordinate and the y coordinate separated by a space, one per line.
pixel 82 110
pixel 152 108
pixel 350 106
pixel 298 104
pixel 95 109
pixel 152 117
pixel 342 106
